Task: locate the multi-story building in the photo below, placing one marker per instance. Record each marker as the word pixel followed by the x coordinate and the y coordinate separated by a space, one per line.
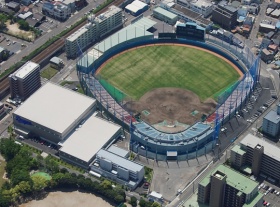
pixel 165 15
pixel 202 7
pixel 25 81
pixel 227 187
pixel 261 157
pixel 118 168
pixel 271 122
pixel 225 16
pixel 57 10
pixel 96 28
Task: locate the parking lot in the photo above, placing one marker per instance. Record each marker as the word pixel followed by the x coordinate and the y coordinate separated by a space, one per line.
pixel 271 194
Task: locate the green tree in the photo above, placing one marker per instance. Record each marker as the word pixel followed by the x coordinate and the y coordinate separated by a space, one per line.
pixel 106 184
pixel 23 25
pixel 39 183
pixel 133 201
pixel 11 132
pixel 24 187
pixel 155 204
pixel 9 149
pixel 3 19
pixel 119 199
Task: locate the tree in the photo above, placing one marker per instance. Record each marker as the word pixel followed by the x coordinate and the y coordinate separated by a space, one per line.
pixel 106 184
pixel 23 25
pixel 119 199
pixel 9 149
pixel 5 56
pixel 11 132
pixel 3 19
pixel 133 201
pixel 155 204
pixel 24 187
pixel 39 183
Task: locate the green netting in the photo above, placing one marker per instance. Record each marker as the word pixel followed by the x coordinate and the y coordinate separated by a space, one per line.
pixel 222 96
pixel 113 91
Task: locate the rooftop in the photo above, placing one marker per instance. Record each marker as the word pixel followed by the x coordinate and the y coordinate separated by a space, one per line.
pixel 120 161
pixel 202 3
pixel 234 179
pixel 77 34
pixel 89 138
pixel 26 69
pixel 55 107
pixel 118 151
pixel 56 60
pixel 111 11
pixel 165 13
pixel 237 149
pixel 272 116
pixel 269 149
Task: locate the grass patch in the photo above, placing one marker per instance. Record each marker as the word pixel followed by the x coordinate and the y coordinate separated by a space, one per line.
pixel 2 171
pixel 139 71
pixel 48 73
pixel 148 174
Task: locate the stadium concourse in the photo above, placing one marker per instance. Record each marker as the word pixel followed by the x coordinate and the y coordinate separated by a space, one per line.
pixel 147 141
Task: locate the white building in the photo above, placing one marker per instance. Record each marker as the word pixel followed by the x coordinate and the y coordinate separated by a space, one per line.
pixel 202 7
pixel 118 168
pixel 57 10
pixel 25 81
pixel 52 113
pixel 96 28
pixel 87 139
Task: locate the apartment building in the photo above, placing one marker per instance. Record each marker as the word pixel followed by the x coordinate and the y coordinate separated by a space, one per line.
pixel 57 10
pixel 227 187
pixel 271 122
pixel 260 156
pixel 225 16
pixel 202 7
pixel 94 30
pixel 25 81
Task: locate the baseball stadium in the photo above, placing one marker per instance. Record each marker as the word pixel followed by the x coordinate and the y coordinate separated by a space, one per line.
pixel 172 91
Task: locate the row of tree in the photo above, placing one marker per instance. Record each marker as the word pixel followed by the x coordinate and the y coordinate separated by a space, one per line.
pixel 21 185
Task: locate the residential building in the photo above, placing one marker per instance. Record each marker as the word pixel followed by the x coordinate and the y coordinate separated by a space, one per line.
pixel 25 81
pixel 190 30
pixel 271 122
pixel 56 63
pixel 202 7
pixel 165 15
pixel 52 113
pixel 262 157
pixel 118 168
pixel 96 28
pixel 56 10
pixel 267 55
pixel 265 28
pixel 225 16
pixel 13 6
pixel 227 187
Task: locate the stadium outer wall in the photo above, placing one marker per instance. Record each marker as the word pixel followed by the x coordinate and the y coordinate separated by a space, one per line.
pixel 183 145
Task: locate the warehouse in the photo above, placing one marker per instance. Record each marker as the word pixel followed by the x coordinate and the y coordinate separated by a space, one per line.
pixel 87 139
pixel 52 113
pixel 136 8
pixel 165 15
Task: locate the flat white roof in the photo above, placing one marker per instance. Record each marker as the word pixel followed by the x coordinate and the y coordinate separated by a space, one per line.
pixel 24 70
pixel 77 34
pixel 89 138
pixel 132 8
pixel 269 149
pixel 118 151
pixel 55 107
pixel 155 195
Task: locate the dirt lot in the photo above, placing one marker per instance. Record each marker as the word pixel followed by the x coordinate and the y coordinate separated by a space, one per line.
pixel 69 199
pixel 171 104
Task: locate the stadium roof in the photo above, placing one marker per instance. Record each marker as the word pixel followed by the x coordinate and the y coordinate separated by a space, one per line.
pixel 137 29
pixel 233 178
pixel 89 138
pixel 55 107
pixel 26 69
pixel 166 13
pixel 269 149
pixel 120 161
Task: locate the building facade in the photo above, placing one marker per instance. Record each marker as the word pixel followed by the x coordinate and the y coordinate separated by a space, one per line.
pixel 225 16
pixel 95 29
pixel 202 7
pixel 25 81
pixel 56 10
pixel 226 187
pixel 262 157
pixel 271 122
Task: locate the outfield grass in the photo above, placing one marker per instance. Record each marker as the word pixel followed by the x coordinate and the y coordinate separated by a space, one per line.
pixel 138 71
